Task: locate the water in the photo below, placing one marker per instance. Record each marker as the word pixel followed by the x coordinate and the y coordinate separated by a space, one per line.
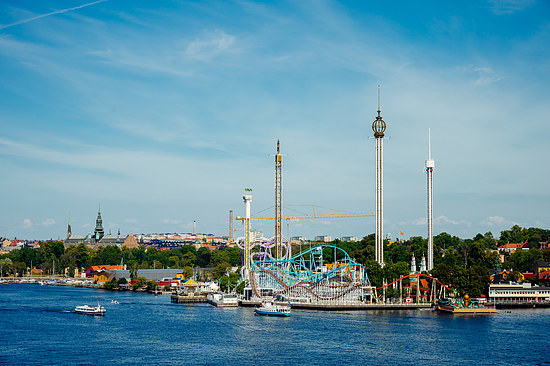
pixel 37 326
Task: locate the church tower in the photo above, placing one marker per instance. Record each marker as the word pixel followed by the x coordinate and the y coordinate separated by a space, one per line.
pixel 69 231
pixel 99 232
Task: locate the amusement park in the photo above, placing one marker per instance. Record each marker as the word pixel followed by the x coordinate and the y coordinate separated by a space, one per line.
pixel 325 276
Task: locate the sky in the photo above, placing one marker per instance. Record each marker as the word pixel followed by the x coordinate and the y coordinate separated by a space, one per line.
pixel 161 113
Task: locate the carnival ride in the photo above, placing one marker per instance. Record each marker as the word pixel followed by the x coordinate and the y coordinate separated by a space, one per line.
pixel 306 277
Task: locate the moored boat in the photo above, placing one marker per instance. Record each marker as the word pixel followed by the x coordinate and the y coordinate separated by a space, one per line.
pixel 90 310
pixel 463 306
pixel 269 308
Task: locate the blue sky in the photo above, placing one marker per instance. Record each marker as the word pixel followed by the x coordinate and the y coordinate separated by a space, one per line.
pixel 163 112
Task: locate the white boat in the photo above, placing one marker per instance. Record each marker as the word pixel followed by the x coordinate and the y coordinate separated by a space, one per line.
pixel 90 310
pixel 222 300
pixel 269 308
pixel 114 302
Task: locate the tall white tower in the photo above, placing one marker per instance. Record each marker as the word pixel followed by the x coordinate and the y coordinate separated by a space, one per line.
pixel 278 201
pixel 378 127
pixel 429 172
pixel 247 199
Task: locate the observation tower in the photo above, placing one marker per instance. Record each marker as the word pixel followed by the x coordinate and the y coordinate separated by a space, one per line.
pixel 429 172
pixel 379 127
pixel 278 202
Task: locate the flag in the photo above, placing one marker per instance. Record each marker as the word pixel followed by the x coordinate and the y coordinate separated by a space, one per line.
pixel 401 233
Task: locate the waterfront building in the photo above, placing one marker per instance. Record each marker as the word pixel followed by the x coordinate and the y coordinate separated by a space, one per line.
pixel 125 241
pixel 99 239
pixel 148 274
pixel 79 239
pixel 101 276
pixel 91 272
pixel 518 293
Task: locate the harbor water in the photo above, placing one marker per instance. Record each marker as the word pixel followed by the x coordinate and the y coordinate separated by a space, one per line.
pixel 38 327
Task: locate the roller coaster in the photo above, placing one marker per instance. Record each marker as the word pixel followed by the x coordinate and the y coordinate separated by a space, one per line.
pixel 306 278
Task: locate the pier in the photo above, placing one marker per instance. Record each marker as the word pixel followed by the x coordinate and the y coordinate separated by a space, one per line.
pixel 342 306
pixel 186 299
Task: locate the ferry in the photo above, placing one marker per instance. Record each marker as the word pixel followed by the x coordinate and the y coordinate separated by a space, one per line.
pixel 268 308
pixel 90 310
pixel 463 306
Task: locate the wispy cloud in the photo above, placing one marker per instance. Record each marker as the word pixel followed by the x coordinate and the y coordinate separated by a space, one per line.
pixel 440 220
pixel 27 223
pixel 501 7
pixel 48 222
pixel 486 75
pixel 210 45
pixel 28 20
pixel 497 221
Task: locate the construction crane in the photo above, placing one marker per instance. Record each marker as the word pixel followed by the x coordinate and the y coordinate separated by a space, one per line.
pixel 313 216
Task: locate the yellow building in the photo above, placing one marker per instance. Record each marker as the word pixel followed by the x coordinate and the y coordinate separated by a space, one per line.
pixel 101 277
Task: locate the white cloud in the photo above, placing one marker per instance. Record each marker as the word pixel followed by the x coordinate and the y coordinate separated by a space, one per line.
pixel 486 75
pixel 440 220
pixel 497 221
pixel 48 222
pixel 27 223
pixel 501 7
pixel 209 46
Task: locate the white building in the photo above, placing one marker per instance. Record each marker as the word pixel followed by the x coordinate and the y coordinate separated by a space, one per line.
pixel 518 293
pixel 323 238
pixel 350 238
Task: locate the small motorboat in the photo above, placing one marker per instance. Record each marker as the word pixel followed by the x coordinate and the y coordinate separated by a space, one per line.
pixel 90 310
pixel 269 308
pixel 114 302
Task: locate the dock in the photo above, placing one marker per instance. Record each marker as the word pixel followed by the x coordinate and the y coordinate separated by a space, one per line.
pixel 342 306
pixel 186 299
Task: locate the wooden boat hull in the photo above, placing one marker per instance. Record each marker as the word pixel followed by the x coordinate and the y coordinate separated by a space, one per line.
pixel 460 310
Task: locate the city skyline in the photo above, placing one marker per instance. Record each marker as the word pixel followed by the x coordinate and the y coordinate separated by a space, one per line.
pixel 164 114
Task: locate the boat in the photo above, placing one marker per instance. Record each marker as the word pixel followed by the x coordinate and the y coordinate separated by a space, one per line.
pixel 222 300
pixel 463 306
pixel 269 308
pixel 90 310
pixel 114 302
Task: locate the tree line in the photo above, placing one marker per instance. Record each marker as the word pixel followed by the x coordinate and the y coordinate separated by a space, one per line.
pixel 464 263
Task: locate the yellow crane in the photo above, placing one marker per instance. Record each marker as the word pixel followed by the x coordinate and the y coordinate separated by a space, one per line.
pixel 313 216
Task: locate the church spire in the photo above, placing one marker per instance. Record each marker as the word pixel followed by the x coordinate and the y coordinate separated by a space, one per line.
pixel 69 231
pixel 99 232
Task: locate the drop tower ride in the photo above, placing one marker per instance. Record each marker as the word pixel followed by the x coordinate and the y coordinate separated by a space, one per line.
pixel 379 127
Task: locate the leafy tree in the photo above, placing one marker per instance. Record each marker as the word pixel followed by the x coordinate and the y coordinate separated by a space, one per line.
pixel 133 268
pixel 187 272
pixel 188 259
pixel 374 271
pixel 240 287
pixel 111 284
pixel 221 269
pixel 6 265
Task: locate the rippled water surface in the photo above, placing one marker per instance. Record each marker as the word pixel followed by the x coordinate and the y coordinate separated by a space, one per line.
pixel 37 326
